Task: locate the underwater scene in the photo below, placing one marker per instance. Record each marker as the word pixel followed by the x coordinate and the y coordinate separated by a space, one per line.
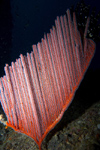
pixel 49 75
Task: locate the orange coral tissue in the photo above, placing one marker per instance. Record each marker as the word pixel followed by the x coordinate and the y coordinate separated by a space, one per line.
pixel 38 88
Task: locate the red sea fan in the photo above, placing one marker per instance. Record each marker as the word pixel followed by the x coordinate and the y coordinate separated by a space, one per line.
pixel 39 87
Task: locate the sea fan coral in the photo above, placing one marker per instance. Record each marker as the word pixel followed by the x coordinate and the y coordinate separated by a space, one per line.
pixel 39 87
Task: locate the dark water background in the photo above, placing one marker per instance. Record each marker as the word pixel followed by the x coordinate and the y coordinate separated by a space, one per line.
pixel 23 23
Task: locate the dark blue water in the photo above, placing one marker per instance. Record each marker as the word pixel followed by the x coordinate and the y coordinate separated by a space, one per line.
pixel 24 23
